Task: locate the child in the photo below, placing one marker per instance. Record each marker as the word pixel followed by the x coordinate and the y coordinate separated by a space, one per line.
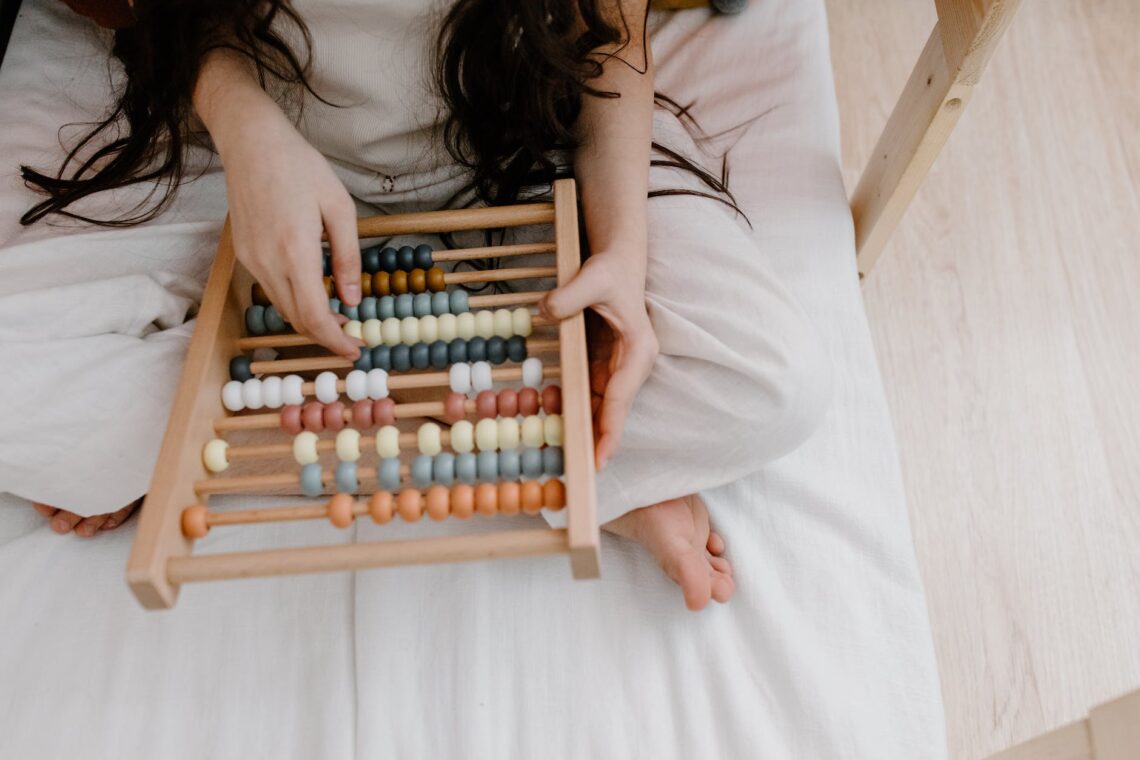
pixel 704 368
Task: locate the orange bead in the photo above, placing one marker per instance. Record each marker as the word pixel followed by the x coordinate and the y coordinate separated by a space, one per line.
pixel 531 492
pixel 410 505
pixel 510 499
pixel 195 521
pixel 398 281
pixel 365 284
pixel 417 281
pixel 462 501
pixel 435 280
pixel 553 494
pixel 258 295
pixel 340 510
pixel 486 499
pixel 380 284
pixel 438 502
pixel 329 287
pixel 380 507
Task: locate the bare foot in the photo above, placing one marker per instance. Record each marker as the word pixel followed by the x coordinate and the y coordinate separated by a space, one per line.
pixel 64 522
pixel 677 534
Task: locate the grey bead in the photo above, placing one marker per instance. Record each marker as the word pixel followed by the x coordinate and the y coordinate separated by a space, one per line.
pixel 477 349
pixel 440 303
pixel 388 474
pixel 421 304
pixel 386 307
pixel 439 355
pixel 370 259
pixel 334 305
pixel 516 348
pixel 509 468
pixel 531 463
pixel 255 320
pixel 405 306
pixel 458 301
pixel 381 358
pixel 421 471
pixel 552 460
pixel 422 257
pixel 274 322
pixel 388 260
pixel 346 481
pixel 406 258
pixel 443 468
pixel 311 480
pixel 421 356
pixel 496 350
pixel 352 312
pixel 466 470
pixel 401 358
pixel 240 368
pixel 367 308
pixel 365 360
pixel 457 351
pixel 487 466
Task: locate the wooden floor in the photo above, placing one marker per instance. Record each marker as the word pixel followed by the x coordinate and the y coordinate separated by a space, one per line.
pixel 1007 320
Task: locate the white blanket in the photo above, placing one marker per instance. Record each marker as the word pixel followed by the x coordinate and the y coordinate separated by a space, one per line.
pixel 825 652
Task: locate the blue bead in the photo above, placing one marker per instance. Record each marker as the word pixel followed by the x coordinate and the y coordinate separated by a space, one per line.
pixel 365 360
pixel 421 471
pixel 487 466
pixel 405 305
pixel 386 307
pixel 509 467
pixel 458 301
pixel 352 312
pixel 439 355
pixel 334 305
pixel 421 304
pixel 370 259
pixel 274 322
pixel 346 481
pixel 552 460
pixel 239 368
pixel 381 358
pixel 443 468
pixel 401 358
pixel 422 257
pixel 457 351
pixel 367 308
pixel 516 348
pixel 440 304
pixel 421 356
pixel 406 258
pixel 311 480
pixel 255 320
pixel 388 474
pixel 496 350
pixel 466 469
pixel 532 463
pixel 388 260
pixel 477 349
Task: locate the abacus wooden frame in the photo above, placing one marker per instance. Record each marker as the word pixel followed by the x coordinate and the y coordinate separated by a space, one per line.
pixel 161 558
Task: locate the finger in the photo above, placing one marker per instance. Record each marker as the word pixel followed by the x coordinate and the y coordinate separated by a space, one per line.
pixel 620 393
pixel 587 288
pixel 88 526
pixel 64 521
pixel 115 519
pixel 340 227
pixel 44 509
pixel 316 321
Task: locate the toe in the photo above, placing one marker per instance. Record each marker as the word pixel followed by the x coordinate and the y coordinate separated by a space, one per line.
pixel 690 571
pixel 723 587
pixel 64 521
pixel 44 509
pixel 88 526
pixel 715 544
pixel 115 519
pixel 721 565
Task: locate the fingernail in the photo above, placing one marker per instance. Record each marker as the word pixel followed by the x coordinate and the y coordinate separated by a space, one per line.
pixel 352 291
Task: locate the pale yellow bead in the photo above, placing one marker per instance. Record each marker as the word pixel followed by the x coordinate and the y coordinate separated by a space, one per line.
pixel 370 333
pixel 462 436
pixel 508 433
pixel 305 447
pixel 214 455
pixel 448 329
pixel 352 328
pixel 485 323
pixel 428 438
pixel 348 445
pixel 429 329
pixel 487 434
pixel 465 325
pixel 388 442
pixel 532 431
pixel 390 331
pixel 552 429
pixel 520 321
pixel 410 330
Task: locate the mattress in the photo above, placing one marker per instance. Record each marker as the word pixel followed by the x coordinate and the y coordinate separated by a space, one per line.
pixel 825 652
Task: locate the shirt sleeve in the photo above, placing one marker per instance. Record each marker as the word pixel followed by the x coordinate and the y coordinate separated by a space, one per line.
pixel 112 14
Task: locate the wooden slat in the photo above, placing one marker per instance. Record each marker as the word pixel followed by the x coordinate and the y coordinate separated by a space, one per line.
pixel 456 220
pixel 970 30
pixel 1115 729
pixel 1069 742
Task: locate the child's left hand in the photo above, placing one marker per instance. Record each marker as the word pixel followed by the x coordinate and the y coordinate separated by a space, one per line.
pixel 623 349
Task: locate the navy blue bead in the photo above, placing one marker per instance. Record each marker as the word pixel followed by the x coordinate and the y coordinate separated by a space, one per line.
pixel 401 358
pixel 457 351
pixel 388 260
pixel 365 360
pixel 439 355
pixel 367 308
pixel 370 259
pixel 516 348
pixel 255 320
pixel 552 460
pixel 239 368
pixel 440 304
pixel 496 350
pixel 477 349
pixel 381 358
pixel 406 258
pixel 421 356
pixel 421 304
pixel 352 312
pixel 422 258
pixel 274 322
pixel 405 305
pixel 327 265
pixel 386 307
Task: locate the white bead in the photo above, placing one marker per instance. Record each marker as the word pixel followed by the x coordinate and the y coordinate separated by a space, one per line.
pixel 388 442
pixel 428 439
pixel 487 434
pixel 532 372
pixel 370 333
pixel 326 387
pixel 232 397
pixel 532 431
pixel 552 429
pixel 485 323
pixel 410 330
pixel 214 455
pixel 305 447
pixel 291 390
pixel 348 445
pixel 356 385
pixel 251 393
pixel 459 378
pixel 462 436
pixel 377 383
pixel 448 329
pixel 504 327
pixel 465 325
pixel 508 433
pixel 390 331
pixel 352 328
pixel 520 321
pixel 481 376
pixel 429 328
pixel 271 392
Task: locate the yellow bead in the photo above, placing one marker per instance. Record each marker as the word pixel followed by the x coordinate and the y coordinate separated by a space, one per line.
pixel 508 433
pixel 410 330
pixel 462 436
pixel 352 328
pixel 429 329
pixel 487 434
pixel 520 321
pixel 214 455
pixel 388 442
pixel 348 445
pixel 485 323
pixel 305 447
pixel 552 429
pixel 370 333
pixel 390 331
pixel 448 329
pixel 504 325
pixel 532 431
pixel 465 325
pixel 428 438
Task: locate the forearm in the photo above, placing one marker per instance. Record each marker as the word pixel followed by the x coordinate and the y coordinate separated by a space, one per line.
pixel 227 97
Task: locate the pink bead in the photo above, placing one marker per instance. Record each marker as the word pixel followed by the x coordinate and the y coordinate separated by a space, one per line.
pixel 508 403
pixel 485 404
pixel 291 419
pixel 383 412
pixel 455 407
pixel 334 416
pixel 528 402
pixel 313 416
pixel 552 399
pixel 362 414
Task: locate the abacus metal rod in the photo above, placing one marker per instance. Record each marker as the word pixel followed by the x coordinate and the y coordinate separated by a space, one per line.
pixel 311 363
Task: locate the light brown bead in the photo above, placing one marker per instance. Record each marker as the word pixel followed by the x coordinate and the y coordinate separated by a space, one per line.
pixel 438 502
pixel 531 491
pixel 510 498
pixel 417 281
pixel 340 510
pixel 410 505
pixel 380 507
pixel 398 282
pixel 329 287
pixel 486 499
pixel 462 501
pixel 380 284
pixel 435 280
pixel 365 284
pixel 195 521
pixel 553 494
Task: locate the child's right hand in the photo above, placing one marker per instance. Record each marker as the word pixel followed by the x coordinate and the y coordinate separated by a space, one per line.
pixel 281 194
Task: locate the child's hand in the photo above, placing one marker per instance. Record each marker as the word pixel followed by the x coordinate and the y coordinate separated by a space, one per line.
pixel 623 347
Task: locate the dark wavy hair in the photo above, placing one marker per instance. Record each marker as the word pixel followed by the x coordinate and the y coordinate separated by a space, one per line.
pixel 511 74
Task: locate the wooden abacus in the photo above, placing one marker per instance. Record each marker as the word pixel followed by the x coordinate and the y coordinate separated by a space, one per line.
pixel 213 401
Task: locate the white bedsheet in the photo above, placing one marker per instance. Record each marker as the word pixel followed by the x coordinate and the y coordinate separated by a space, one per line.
pixel 825 652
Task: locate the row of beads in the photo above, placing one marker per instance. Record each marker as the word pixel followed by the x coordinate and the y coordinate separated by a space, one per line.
pixel 272 392
pixel 388 259
pixel 442 354
pixel 377 284
pixel 404 305
pixel 501 323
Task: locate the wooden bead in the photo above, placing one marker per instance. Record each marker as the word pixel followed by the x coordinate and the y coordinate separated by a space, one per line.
pixel 365 284
pixel 383 412
pixel 508 402
pixel 486 405
pixel 334 416
pixel 510 498
pixel 553 494
pixel 258 295
pixel 552 399
pixel 381 285
pixel 486 499
pixel 313 416
pixel 438 502
pixel 528 402
pixel 455 407
pixel 462 501
pixel 340 510
pixel 398 282
pixel 380 507
pixel 329 287
pixel 291 419
pixel 195 521
pixel 214 455
pixel 417 281
pixel 531 493
pixel 435 282
pixel 362 413
pixel 410 505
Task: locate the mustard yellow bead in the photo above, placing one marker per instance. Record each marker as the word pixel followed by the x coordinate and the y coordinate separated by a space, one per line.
pixel 532 431
pixel 552 429
pixel 462 437
pixel 448 329
pixel 352 328
pixel 429 328
pixel 504 325
pixel 485 323
pixel 520 321
pixel 390 331
pixel 348 445
pixel 388 442
pixel 214 455
pixel 487 434
pixel 508 433
pixel 465 325
pixel 370 332
pixel 305 447
pixel 428 438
